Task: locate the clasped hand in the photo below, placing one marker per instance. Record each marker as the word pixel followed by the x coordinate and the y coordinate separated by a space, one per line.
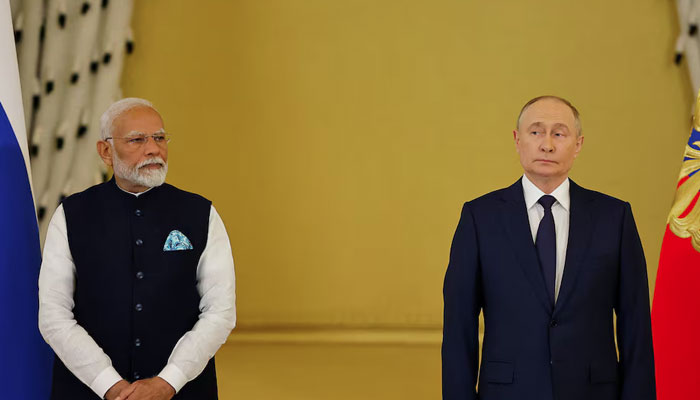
pixel 155 388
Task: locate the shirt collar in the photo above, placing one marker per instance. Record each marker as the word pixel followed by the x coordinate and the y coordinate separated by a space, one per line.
pixel 132 193
pixel 533 193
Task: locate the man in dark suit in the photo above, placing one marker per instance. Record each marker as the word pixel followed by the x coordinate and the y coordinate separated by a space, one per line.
pixel 549 263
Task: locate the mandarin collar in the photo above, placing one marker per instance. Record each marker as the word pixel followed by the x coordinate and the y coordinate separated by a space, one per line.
pixel 131 194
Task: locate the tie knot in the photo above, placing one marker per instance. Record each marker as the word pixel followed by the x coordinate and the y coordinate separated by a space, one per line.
pixel 546 201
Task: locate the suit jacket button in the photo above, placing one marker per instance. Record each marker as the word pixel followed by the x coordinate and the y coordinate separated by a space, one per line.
pixel 553 323
pixel 138 307
pixel 139 242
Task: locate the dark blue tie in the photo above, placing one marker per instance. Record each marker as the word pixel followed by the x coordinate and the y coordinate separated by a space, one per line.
pixel 546 244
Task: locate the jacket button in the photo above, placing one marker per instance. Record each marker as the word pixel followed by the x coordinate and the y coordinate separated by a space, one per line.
pixel 553 323
pixel 138 307
pixel 139 275
pixel 138 213
pixel 137 342
pixel 136 375
pixel 139 242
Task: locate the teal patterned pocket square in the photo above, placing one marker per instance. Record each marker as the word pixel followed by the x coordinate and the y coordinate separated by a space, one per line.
pixel 177 241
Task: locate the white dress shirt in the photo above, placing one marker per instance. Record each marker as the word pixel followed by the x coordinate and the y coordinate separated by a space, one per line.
pixel 560 211
pixel 86 360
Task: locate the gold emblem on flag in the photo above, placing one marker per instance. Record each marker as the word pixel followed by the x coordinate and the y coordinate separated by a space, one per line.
pixel 688 226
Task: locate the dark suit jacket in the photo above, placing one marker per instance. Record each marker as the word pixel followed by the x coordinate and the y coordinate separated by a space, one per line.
pixel 531 350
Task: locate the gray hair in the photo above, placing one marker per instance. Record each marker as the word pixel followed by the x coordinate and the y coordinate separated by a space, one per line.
pixel 118 108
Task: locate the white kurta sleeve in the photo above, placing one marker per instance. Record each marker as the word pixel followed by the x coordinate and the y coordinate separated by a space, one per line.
pixel 216 286
pixel 71 343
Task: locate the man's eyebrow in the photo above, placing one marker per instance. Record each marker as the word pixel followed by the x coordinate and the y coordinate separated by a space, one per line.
pixel 136 133
pixel 561 125
pixel 535 125
pixel 558 125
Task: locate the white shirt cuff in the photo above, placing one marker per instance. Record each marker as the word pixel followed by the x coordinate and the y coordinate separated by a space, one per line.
pixel 104 381
pixel 173 376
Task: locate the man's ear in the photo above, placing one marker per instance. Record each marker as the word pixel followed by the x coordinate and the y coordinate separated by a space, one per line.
pixel 105 152
pixel 516 138
pixel 579 145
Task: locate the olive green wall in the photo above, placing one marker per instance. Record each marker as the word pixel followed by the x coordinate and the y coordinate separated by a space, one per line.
pixel 338 139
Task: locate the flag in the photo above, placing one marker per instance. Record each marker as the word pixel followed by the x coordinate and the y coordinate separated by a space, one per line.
pixel 676 310
pixel 25 359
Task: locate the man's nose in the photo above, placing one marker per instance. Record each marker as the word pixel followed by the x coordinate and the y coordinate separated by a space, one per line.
pixel 547 144
pixel 151 147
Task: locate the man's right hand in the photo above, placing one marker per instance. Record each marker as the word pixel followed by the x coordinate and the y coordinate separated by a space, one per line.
pixel 117 388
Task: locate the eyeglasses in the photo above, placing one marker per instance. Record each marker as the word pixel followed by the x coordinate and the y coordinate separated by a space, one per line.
pixel 138 139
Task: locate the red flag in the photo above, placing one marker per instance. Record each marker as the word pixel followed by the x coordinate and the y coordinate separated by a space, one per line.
pixel 675 313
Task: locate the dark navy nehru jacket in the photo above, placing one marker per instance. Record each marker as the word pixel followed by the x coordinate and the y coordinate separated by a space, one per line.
pixel 133 298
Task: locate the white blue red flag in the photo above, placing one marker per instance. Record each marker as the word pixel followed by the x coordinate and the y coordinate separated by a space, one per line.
pixel 25 360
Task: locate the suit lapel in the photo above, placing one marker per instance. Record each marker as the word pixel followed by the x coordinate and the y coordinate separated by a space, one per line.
pixel 517 225
pixel 580 230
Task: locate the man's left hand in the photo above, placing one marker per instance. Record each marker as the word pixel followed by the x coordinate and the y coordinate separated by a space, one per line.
pixel 155 388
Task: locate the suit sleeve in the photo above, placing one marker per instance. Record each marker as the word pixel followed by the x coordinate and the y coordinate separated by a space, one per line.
pixel 633 317
pixel 462 298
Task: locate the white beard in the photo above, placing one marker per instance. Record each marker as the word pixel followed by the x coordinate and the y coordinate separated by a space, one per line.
pixel 147 177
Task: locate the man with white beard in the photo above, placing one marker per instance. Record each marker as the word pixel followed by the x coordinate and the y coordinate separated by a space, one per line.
pixel 136 290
